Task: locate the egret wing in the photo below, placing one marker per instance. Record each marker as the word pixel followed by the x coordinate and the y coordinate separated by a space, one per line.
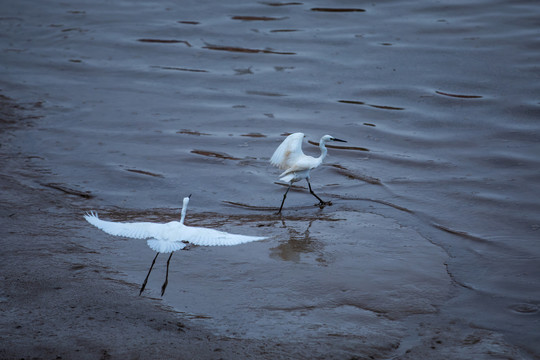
pixel 288 152
pixel 211 237
pixel 139 230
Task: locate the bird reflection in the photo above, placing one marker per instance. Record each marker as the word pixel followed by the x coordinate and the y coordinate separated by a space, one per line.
pixel 299 243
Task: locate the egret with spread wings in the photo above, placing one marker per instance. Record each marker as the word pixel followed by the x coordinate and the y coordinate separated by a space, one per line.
pixel 169 237
pixel 297 165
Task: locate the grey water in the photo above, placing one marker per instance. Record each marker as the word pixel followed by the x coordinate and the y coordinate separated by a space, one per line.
pixel 436 208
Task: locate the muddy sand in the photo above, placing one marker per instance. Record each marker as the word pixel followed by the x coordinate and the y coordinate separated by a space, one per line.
pixel 58 301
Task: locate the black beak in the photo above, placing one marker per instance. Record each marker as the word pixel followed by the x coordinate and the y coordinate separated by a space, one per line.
pixel 189 196
pixel 334 139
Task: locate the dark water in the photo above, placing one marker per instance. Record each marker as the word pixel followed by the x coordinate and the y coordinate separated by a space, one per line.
pixel 436 211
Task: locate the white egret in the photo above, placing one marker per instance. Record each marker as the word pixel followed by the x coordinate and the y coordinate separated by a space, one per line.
pixel 169 237
pixel 297 165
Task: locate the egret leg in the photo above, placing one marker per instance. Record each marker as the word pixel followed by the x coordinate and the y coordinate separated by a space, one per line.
pixel 321 202
pixel 284 196
pixel 147 275
pixel 166 276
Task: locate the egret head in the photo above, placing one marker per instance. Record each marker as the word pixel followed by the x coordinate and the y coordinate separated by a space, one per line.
pixel 186 200
pixel 327 138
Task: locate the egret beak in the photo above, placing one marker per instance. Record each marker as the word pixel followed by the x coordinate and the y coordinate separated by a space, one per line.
pixel 334 139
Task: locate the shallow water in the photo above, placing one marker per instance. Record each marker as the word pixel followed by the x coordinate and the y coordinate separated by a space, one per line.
pixel 435 195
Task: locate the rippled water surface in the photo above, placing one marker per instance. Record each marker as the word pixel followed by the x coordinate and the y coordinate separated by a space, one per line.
pixel 435 196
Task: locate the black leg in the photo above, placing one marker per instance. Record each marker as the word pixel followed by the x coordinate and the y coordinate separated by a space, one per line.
pixel 166 276
pixel 147 275
pixel 321 203
pixel 284 196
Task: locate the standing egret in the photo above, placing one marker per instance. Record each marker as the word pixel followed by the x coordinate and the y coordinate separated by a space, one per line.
pixel 169 237
pixel 297 165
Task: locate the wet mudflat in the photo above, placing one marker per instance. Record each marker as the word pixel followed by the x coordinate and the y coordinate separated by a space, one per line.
pixel 430 249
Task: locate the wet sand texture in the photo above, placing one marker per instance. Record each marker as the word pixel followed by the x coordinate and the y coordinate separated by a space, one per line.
pixel 430 249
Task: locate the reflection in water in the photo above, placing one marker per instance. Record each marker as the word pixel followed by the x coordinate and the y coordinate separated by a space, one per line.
pixel 298 243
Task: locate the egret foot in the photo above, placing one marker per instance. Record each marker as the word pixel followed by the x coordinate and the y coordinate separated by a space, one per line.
pixel 322 204
pixel 163 287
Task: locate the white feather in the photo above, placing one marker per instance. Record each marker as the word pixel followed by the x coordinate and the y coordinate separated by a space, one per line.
pixel 297 165
pixel 141 230
pixel 171 236
pixel 290 157
pixel 288 152
pixel 286 178
pixel 211 237
pixel 164 246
